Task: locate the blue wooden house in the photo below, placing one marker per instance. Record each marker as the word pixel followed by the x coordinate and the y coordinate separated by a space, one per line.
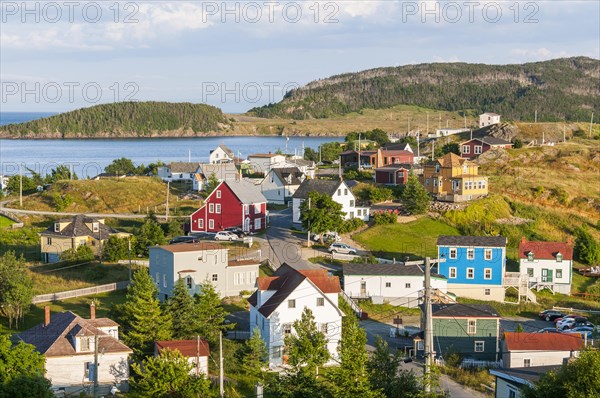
pixel 474 266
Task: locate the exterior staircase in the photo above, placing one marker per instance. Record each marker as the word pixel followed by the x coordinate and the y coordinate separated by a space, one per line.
pixel 351 303
pixel 521 283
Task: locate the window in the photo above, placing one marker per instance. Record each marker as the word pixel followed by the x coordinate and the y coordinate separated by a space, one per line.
pixel 487 292
pixel 277 352
pixel 478 149
pixel 200 223
pixel 320 302
pixel 215 277
pixel 420 345
pixel 512 393
pixel 157 278
pixel 427 182
pixel 470 254
pixel 435 182
pixel 287 328
pixel 526 362
pixel 48 241
pixel 211 224
pixel 339 192
pixel 351 203
pixel 487 273
pixel 323 328
pixel 211 207
pixel 437 168
pixel 246 209
pixel 452 272
pixel 218 193
pixel 56 227
pixel 358 212
pixel 487 254
pixel 345 192
pixel 218 208
pixel 470 273
pixel 388 284
pixel 559 273
pixel 257 208
pixel 257 224
pixel 479 346
pixel 164 280
pixel 188 282
pixel 466 149
pixel 407 285
pixel 85 343
pixel 453 252
pixel 559 257
pixel 530 256
pixel 472 329
pixel 95 227
pixel 291 303
pixel 88 371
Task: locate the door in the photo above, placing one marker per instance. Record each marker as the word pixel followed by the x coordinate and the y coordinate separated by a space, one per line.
pixel 363 288
pixel 247 224
pixel 546 275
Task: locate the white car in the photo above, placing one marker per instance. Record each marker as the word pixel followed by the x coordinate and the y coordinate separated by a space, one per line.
pixel 226 235
pixel 327 237
pixel 341 248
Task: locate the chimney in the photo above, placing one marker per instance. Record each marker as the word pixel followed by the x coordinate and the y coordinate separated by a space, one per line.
pixel 46 315
pixel 92 310
pixel 523 239
pixel 570 241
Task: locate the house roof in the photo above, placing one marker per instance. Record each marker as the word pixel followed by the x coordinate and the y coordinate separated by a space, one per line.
pixel 451 160
pixel 284 173
pixel 54 340
pixel 545 250
pixel 543 341
pixel 239 263
pixel 77 227
pixel 285 280
pixel 183 167
pixel 464 310
pixel 300 162
pixel 477 241
pixel 223 171
pixel 398 146
pixel 264 155
pixel 385 269
pixel 396 152
pixel 523 375
pixel 247 192
pixel 190 247
pixel 362 153
pixel 490 140
pixel 322 186
pixel 228 151
pixel 489 114
pixel 187 348
pixel 399 166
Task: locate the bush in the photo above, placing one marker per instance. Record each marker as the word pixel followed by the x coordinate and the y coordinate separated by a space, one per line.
pixel 61 202
pixel 385 217
pixel 351 225
pixel 587 249
pixel 561 195
pixel 376 194
pixel 82 253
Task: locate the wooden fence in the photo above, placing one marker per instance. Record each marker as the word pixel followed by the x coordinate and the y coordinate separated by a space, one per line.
pixel 87 291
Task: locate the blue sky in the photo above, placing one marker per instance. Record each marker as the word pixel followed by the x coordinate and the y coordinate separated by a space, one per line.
pixel 60 57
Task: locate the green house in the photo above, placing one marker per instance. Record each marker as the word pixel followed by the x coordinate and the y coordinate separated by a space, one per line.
pixel 471 330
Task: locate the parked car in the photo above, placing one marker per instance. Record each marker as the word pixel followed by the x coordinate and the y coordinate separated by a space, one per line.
pixel 550 315
pixel 570 323
pixel 548 330
pixel 584 331
pixel 183 239
pixel 226 235
pixel 236 230
pixel 203 235
pixel 327 237
pixel 564 317
pixel 341 248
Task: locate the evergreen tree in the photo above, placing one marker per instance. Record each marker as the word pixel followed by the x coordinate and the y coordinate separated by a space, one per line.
pixel 61 172
pixel 254 357
pixel 320 213
pixel 210 313
pixel 415 197
pixel 121 166
pixel 16 288
pixel 307 348
pixel 351 378
pixel 150 234
pixel 142 318
pixel 115 249
pixel 174 228
pixel 384 375
pixel 182 309
pixel 587 248
pixel 297 385
pixel 168 376
pixel 211 184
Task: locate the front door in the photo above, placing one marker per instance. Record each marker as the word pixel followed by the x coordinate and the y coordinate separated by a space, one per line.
pixel 546 275
pixel 363 288
pixel 247 224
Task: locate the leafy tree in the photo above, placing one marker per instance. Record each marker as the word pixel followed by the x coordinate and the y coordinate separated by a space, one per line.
pixel 121 166
pixel 150 234
pixel 174 228
pixel 586 247
pixel 115 249
pixel 519 328
pixel 152 168
pixel 415 196
pixel 351 378
pixel 211 313
pixel 330 151
pixel 168 376
pixel 211 184
pixel 320 213
pixel 578 379
pixel 29 184
pixel 453 147
pixel 19 360
pixel 80 254
pixel 141 316
pixel 254 357
pixel 183 310
pixel 311 154
pixel 307 349
pixel 377 135
pixel 27 387
pixel 297 385
pixel 16 288
pixel 385 376
pixel 61 202
pixel 61 172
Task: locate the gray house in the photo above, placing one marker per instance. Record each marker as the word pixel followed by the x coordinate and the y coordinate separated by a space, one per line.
pixel 197 263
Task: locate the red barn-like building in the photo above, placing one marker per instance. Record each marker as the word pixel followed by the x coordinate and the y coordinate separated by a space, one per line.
pixel 232 204
pixel 475 147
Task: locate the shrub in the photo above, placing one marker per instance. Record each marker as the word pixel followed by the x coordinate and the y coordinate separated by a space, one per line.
pixel 517 143
pixel 82 253
pixel 587 249
pixel 61 202
pixel 385 217
pixel 351 225
pixel 561 195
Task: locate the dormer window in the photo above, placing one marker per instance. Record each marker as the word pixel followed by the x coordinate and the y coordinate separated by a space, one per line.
pixel 84 344
pixel 95 227
pixel 559 257
pixel 437 168
pixel 530 256
pixel 56 227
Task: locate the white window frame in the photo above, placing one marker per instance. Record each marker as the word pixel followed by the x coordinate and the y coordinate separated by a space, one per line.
pixel 530 272
pixel 420 345
pixel 95 226
pixel 211 208
pixel 286 328
pixel 478 149
pixel 218 193
pixel 323 328
pixel 257 224
pixel 485 273
pixel 320 301
pixel 466 149
pixel 257 208
pixel 201 223
pixel 526 362
pixel 479 343
pixel 56 227
pixel 559 257
pixel 218 208
pixel 556 273
pixel 189 282
pixel 452 250
pixel 470 253
pixel 246 209
pixel 388 284
pixel 471 326
pixel 164 280
pixel 452 272
pixel 472 273
pixel 487 254
pixel 211 224
pixel 292 303
pixel 158 278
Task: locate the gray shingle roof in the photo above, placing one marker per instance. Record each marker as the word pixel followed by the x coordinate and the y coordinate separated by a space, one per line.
pixel 284 173
pixel 478 241
pixel 78 227
pixel 246 192
pixel 464 310
pixel 183 167
pixel 228 151
pixel 322 186
pixel 530 374
pixel 385 269
pixel 488 139
pixel 223 171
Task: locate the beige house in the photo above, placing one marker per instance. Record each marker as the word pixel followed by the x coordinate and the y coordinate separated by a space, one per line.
pixel 68 343
pixel 68 234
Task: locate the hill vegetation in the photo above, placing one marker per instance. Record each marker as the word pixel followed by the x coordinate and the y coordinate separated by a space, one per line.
pixel 559 89
pixel 124 119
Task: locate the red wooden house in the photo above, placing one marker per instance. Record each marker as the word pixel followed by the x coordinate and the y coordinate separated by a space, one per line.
pixel 232 204
pixel 396 174
pixel 475 147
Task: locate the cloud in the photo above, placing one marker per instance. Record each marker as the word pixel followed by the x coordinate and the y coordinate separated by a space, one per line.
pixel 539 53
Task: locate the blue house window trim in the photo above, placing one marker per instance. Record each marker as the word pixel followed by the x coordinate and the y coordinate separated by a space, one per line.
pixel 470 253
pixel 487 254
pixel 471 272
pixel 485 273
pixel 452 252
pixel 452 272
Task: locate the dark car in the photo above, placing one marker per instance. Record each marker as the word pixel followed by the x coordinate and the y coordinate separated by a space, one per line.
pixel 550 315
pixel 183 239
pixel 236 230
pixel 548 330
pixel 203 235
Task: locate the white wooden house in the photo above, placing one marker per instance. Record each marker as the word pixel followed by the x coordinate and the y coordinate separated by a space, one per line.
pixel 181 171
pixel 281 299
pixel 196 351
pixel 539 349
pixel 510 382
pixel 547 264
pixel 339 192
pixel 280 184
pixel 488 119
pixel 221 154
pixel 263 162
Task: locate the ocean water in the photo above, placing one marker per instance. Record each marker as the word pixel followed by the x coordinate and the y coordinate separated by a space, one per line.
pixel 20 117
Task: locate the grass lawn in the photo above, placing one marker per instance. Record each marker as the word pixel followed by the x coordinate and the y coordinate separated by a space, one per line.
pixel 79 305
pixel 386 312
pixel 5 222
pixel 415 239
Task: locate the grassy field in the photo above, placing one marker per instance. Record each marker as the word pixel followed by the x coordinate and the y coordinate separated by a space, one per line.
pixel 79 305
pixel 5 222
pixel 387 312
pixel 23 241
pixel 415 239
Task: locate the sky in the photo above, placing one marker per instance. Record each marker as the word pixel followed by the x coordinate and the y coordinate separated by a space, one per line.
pixel 63 55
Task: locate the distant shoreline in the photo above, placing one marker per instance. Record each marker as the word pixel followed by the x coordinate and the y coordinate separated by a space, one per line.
pixel 165 137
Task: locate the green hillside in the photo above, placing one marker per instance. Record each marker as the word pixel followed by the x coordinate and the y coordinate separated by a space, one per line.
pixel 124 119
pixel 559 89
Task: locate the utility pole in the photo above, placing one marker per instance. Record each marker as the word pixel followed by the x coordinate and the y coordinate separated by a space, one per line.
pixel 428 328
pixel 427 130
pixel 359 162
pixel 564 133
pixel 197 356
pixel 20 185
pixel 418 145
pixel 465 116
pixel 308 232
pixel 432 150
pixel 129 255
pixel 320 162
pixel 167 209
pixel 221 391
pixel 591 124
pixel 535 117
pixel 95 385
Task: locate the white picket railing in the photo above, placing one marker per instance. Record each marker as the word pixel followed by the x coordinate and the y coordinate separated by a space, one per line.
pixel 86 291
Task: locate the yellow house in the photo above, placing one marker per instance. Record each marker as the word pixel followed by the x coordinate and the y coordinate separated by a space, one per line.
pixel 81 230
pixel 453 179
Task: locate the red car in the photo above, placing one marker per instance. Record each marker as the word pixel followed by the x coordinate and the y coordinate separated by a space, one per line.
pixel 567 316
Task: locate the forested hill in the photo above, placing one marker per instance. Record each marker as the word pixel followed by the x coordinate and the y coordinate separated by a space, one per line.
pixel 124 119
pixel 561 88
